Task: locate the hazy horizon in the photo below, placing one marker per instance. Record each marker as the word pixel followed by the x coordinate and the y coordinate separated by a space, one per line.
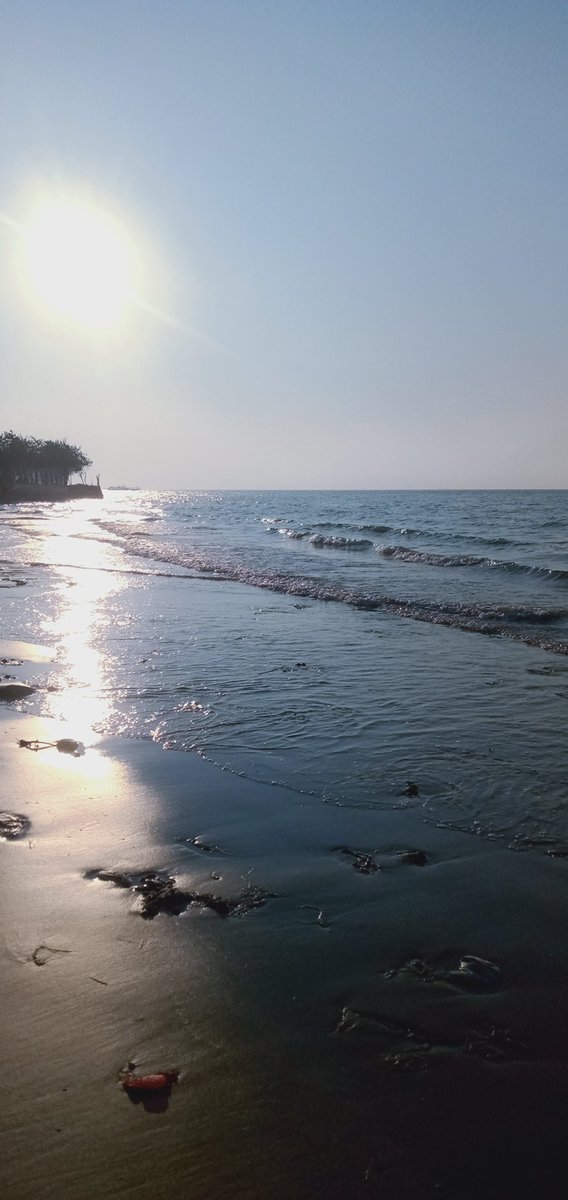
pixel 343 233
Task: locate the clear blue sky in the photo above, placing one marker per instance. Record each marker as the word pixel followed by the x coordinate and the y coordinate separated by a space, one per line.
pixel 360 208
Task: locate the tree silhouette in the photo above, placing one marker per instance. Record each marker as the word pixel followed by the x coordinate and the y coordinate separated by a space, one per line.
pixel 37 461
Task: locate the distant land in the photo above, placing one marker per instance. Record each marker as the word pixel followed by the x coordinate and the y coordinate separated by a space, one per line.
pixel 40 469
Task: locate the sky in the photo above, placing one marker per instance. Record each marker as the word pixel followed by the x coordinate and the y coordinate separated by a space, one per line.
pixel 345 225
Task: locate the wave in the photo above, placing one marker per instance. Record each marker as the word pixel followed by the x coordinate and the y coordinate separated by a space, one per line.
pixel 333 542
pixel 339 543
pixel 296 534
pixel 413 531
pixel 517 622
pixel 358 528
pixel 410 554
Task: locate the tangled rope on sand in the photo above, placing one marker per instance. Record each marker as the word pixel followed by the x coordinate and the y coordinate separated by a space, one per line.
pixel 64 745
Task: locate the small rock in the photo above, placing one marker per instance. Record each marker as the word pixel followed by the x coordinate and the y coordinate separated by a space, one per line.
pixel 70 746
pixel 414 858
pixel 15 691
pixel 13 825
pixel 411 789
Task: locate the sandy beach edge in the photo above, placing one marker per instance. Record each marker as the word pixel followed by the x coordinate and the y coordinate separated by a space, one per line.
pixel 325 1040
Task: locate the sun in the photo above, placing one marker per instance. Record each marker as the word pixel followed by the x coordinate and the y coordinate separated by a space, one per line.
pixel 79 263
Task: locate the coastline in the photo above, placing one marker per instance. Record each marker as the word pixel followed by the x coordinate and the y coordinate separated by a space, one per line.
pixel 359 1001
pixel 28 493
pixel 314 1059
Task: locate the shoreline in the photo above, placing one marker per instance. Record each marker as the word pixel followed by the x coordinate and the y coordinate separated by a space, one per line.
pixel 27 493
pixel 314 1057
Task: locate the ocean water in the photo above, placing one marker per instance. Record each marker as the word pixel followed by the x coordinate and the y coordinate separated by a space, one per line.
pixel 337 643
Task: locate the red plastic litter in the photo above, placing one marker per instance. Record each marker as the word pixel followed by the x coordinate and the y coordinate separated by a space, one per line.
pixel 150 1083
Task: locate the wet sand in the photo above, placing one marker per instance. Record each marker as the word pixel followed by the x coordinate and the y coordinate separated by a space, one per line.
pixel 327 1042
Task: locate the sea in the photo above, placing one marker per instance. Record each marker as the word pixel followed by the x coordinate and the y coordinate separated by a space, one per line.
pixel 342 645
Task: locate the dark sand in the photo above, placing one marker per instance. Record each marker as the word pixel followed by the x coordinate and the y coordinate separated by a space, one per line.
pixel 307 1067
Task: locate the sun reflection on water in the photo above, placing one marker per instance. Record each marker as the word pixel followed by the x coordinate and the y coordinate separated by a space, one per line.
pixel 82 699
pixel 79 625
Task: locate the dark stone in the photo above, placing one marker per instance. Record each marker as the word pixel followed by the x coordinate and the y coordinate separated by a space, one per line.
pixel 414 858
pixel 70 746
pixel 13 825
pixel 411 789
pixel 15 691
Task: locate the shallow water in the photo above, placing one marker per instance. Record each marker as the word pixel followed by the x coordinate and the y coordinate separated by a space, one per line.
pixel 338 643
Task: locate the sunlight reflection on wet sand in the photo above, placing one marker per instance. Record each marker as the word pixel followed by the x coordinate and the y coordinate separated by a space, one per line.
pixel 79 627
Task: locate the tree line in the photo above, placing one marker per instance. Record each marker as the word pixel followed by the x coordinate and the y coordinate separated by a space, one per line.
pixel 38 461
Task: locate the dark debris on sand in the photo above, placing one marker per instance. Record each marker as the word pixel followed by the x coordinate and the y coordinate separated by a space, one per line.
pixel 471 974
pixel 160 893
pixel 412 1048
pixel 196 843
pixel 361 860
pixel 414 858
pixel 13 825
pixel 365 861
pixel 15 691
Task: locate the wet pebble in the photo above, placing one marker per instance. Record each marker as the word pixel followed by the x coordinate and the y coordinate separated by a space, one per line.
pixel 15 691
pixel 13 825
pixel 414 858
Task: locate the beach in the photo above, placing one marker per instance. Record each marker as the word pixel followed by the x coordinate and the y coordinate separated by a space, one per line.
pixel 358 997
pixel 323 1045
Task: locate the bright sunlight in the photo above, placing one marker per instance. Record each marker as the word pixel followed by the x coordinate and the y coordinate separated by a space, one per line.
pixel 80 263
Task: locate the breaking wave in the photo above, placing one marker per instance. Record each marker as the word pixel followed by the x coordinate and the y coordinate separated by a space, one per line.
pixel 411 555
pixel 413 531
pixel 340 543
pixel 517 622
pixel 296 534
pixel 319 540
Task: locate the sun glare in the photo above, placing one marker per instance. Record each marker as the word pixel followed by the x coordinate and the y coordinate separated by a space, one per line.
pixel 79 263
